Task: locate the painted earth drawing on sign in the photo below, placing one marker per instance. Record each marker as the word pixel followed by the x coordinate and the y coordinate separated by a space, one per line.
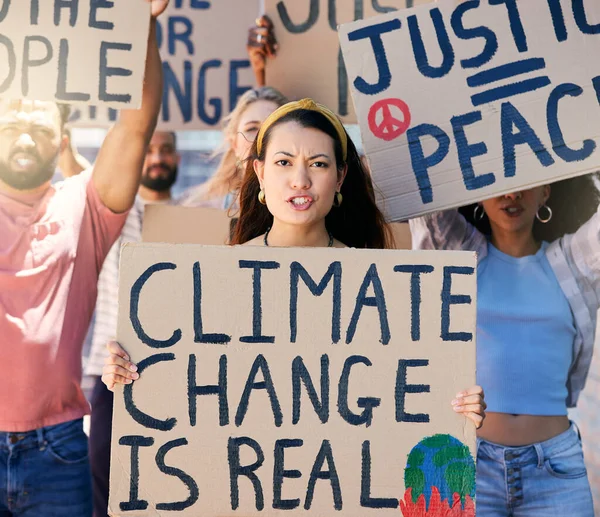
pixel 440 479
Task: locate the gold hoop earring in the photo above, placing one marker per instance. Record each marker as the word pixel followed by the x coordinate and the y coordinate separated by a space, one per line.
pixel 337 202
pixel 261 197
pixel 547 218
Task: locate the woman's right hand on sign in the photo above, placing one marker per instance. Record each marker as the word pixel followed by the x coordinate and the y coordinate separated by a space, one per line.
pixel 118 368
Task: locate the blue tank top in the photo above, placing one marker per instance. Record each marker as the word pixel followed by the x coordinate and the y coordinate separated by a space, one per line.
pixel 525 334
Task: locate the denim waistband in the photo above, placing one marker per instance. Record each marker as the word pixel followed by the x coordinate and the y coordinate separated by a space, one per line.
pixel 39 438
pixel 536 453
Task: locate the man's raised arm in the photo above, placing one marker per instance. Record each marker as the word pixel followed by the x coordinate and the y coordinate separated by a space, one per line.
pixel 119 164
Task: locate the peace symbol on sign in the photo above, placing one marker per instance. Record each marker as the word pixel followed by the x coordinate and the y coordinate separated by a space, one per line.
pixel 388 127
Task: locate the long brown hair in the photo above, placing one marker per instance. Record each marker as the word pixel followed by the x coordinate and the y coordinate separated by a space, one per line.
pixel 573 201
pixel 358 222
pixel 228 176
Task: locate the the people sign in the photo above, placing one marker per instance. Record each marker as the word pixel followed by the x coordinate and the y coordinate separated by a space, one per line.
pixel 309 61
pixel 283 381
pixel 205 64
pixel 91 52
pixel 462 101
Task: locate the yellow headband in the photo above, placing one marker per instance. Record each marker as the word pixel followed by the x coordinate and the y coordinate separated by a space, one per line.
pixel 304 104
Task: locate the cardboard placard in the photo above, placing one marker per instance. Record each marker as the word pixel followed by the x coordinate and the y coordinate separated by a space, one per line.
pixel 85 52
pixel 463 101
pixel 211 226
pixel 402 236
pixel 293 381
pixel 309 61
pixel 182 225
pixel 206 67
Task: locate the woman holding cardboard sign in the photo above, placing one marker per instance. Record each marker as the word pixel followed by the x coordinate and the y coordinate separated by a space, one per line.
pixel 537 306
pixel 305 186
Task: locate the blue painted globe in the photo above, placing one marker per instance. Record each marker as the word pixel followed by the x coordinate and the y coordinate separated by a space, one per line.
pixel 444 462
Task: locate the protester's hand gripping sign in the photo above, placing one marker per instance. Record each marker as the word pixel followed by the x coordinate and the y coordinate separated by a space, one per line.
pixel 287 381
pixel 462 101
pixel 91 52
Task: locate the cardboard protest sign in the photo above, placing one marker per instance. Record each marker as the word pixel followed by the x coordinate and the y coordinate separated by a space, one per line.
pixel 182 225
pixel 463 101
pixel 206 67
pixel 210 226
pixel 309 61
pixel 402 236
pixel 293 381
pixel 69 51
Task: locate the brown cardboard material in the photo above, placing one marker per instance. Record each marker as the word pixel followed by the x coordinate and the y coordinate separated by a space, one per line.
pixel 181 225
pixel 478 117
pixel 308 62
pixel 210 226
pixel 75 52
pixel 206 72
pixel 402 236
pixel 176 298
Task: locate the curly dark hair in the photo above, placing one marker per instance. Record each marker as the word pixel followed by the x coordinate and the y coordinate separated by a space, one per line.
pixel 573 201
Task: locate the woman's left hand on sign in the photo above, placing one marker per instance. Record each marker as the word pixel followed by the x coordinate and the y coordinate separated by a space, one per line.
pixel 471 403
pixel 118 368
pixel 158 7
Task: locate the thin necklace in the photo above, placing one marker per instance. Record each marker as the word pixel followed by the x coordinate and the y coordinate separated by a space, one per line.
pixel 266 239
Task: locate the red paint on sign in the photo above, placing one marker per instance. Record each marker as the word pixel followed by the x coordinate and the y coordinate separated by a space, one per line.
pixel 389 127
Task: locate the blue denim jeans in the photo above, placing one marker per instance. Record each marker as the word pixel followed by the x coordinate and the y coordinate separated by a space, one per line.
pixel 45 473
pixel 540 480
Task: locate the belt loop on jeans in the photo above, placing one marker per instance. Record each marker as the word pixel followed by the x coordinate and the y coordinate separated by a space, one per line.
pixel 576 429
pixel 40 438
pixel 540 454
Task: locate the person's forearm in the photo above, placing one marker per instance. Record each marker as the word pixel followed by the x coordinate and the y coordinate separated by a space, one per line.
pixel 260 77
pixel 119 164
pixel 144 120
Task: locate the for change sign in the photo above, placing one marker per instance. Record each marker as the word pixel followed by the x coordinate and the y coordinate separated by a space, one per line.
pixel 462 101
pixel 205 64
pixel 74 51
pixel 289 381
